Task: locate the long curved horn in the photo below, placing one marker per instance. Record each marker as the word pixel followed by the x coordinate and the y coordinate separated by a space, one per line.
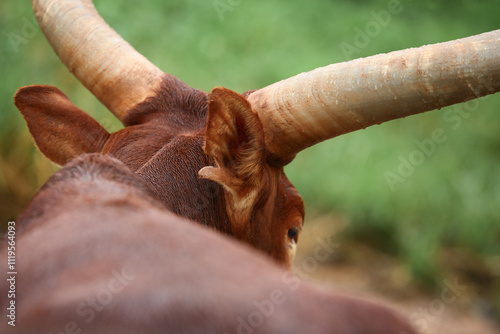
pixel 315 106
pixel 100 59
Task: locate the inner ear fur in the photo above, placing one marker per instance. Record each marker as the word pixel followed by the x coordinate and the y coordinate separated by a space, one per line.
pixel 234 138
pixel 60 130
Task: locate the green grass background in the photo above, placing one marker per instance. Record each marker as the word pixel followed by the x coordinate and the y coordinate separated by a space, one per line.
pixel 451 200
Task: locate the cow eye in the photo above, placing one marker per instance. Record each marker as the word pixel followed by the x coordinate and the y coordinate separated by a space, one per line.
pixel 292 233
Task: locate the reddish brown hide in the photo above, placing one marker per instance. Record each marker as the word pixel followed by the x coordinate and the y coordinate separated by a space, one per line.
pixel 236 188
pixel 98 254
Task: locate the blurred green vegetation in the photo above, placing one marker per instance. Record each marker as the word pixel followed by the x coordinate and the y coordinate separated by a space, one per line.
pixel 450 200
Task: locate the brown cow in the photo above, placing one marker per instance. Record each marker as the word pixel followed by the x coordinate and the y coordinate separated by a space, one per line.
pixel 98 254
pixel 218 158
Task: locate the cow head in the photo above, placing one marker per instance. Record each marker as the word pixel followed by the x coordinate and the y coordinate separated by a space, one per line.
pixel 218 158
pixel 202 155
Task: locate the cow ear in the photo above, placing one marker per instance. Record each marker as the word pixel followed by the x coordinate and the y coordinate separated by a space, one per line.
pixel 60 130
pixel 235 139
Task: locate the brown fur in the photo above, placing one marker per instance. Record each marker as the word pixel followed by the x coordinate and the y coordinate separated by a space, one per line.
pixel 95 220
pixel 202 155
